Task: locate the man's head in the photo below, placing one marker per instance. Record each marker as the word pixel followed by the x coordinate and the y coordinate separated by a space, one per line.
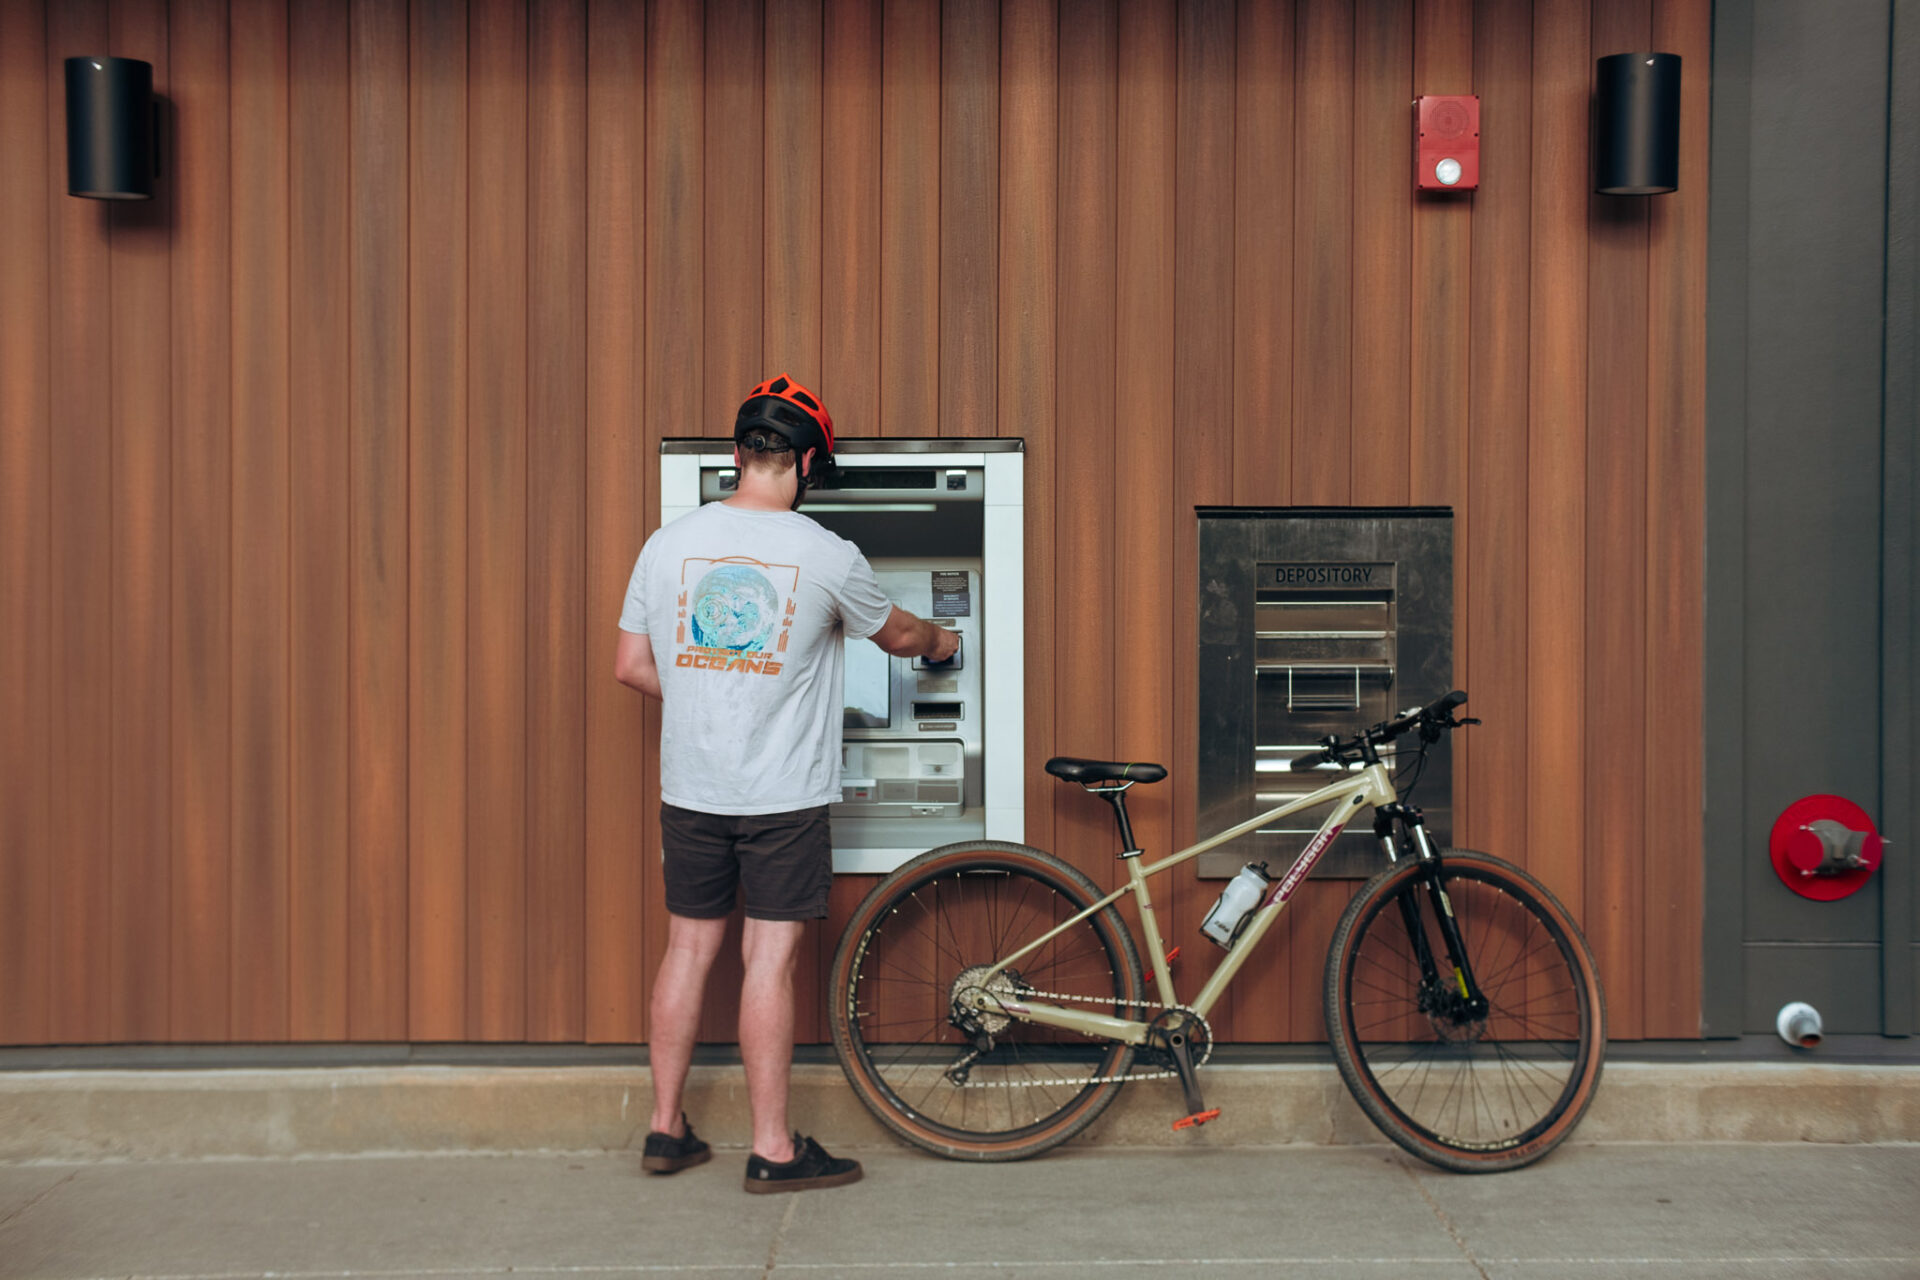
pixel 781 424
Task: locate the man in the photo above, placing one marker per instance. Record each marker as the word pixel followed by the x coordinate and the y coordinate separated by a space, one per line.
pixel 749 601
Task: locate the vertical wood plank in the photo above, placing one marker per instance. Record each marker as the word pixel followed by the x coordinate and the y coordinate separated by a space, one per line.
pixel 556 504
pixel 1676 542
pixel 1263 253
pixel 318 380
pixel 1492 760
pixel 80 504
pixel 1029 220
pixel 850 222
pixel 673 319
pixel 618 475
pixel 1204 381
pixel 1616 565
pixel 1556 453
pixel 499 753
pixel 790 336
pixel 1323 253
pixel 1083 497
pixel 1442 286
pixel 437 524
pixel 910 219
pixel 969 61
pixel 200 894
pixel 1383 213
pixel 735 200
pixel 675 215
pixel 262 679
pixel 139 372
pixel 377 406
pixel 26 854
pixel 1144 444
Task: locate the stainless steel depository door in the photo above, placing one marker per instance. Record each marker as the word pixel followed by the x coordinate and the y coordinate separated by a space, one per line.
pixel 932 754
pixel 1315 621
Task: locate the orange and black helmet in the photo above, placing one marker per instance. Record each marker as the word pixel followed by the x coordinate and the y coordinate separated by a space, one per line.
pixel 794 413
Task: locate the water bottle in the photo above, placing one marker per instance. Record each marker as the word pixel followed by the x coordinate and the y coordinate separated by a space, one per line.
pixel 1237 901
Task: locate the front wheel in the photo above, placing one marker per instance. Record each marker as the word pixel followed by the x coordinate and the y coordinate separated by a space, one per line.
pixel 947 1077
pixel 1470 1085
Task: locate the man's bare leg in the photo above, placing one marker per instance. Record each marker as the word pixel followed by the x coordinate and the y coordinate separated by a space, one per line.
pixel 677 993
pixel 769 948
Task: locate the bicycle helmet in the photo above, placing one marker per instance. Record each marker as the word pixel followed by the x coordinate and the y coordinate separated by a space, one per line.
pixel 795 414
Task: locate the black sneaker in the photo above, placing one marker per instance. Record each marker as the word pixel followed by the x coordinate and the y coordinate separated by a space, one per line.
pixel 810 1167
pixel 668 1154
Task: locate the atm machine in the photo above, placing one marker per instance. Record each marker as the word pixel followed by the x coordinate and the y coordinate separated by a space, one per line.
pixel 931 755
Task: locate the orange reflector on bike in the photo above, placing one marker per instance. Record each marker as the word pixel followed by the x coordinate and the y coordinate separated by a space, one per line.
pixel 1197 1119
pixel 1173 955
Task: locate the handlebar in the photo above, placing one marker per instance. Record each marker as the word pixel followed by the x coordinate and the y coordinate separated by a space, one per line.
pixel 1432 720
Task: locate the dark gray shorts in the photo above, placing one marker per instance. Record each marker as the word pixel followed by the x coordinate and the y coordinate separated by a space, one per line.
pixel 782 863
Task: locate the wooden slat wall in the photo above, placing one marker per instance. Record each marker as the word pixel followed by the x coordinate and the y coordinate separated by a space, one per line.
pixel 321 475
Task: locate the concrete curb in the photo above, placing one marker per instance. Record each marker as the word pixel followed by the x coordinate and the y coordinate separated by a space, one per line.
pixel 172 1114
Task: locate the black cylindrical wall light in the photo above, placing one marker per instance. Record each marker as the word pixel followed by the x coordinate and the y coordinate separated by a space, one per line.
pixel 111 129
pixel 1637 135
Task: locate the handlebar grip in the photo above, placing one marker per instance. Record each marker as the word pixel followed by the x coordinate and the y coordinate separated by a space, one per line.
pixel 1446 705
pixel 1311 760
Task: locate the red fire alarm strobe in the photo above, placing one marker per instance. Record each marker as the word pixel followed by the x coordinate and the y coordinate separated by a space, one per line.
pixel 1824 847
pixel 1446 142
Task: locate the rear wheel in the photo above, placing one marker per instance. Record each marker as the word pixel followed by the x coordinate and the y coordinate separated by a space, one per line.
pixel 953 1080
pixel 1473 1088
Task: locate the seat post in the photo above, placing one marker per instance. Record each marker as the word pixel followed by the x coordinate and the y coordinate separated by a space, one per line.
pixel 1117 797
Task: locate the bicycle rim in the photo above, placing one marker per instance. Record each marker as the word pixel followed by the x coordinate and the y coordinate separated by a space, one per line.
pixel 1025 1088
pixel 1471 1093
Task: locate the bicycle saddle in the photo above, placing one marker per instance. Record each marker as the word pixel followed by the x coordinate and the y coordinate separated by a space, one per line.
pixel 1085 771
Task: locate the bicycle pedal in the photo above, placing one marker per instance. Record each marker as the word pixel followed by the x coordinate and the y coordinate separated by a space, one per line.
pixel 1197 1119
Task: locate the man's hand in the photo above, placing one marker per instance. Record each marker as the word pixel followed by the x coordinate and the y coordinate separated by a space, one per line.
pixel 945 644
pixel 905 636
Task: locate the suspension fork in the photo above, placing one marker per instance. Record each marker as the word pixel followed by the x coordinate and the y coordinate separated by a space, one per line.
pixel 1414 823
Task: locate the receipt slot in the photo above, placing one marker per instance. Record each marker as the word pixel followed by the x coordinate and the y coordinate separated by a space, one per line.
pixel 933 752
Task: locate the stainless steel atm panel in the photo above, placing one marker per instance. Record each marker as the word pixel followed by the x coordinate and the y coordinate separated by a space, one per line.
pixel 1315 621
pixel 932 754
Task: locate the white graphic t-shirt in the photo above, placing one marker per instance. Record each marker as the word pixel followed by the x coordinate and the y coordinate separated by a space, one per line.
pixel 746 610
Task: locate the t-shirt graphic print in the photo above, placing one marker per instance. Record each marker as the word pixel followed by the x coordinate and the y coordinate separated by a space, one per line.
pixel 748 612
pixel 735 619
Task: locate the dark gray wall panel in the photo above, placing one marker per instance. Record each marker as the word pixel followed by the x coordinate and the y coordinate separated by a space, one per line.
pixel 1816 220
pixel 1811 528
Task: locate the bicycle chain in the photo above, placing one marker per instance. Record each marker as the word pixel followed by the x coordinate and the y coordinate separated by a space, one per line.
pixel 1082 1081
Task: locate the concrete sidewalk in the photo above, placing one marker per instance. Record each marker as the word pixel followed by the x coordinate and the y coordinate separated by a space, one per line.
pixel 1600 1210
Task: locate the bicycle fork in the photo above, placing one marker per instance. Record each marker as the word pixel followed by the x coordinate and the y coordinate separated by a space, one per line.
pixel 1472 1003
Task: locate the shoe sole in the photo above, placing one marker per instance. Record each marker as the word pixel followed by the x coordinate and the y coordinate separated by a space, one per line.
pixel 674 1164
pixel 771 1186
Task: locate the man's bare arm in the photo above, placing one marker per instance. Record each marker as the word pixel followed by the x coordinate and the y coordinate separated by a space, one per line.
pixel 633 664
pixel 905 636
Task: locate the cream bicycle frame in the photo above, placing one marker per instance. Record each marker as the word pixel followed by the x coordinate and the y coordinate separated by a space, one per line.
pixel 1370 787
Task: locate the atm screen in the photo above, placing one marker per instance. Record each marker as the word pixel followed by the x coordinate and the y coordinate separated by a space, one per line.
pixel 869 700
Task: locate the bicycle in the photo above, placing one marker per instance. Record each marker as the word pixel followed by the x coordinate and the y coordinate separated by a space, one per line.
pixel 987 1001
